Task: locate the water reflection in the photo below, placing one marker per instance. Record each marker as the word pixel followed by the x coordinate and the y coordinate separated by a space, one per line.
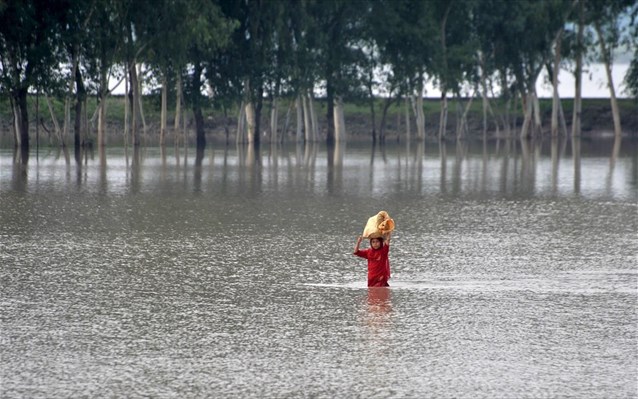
pixel 379 305
pixel 508 167
pixel 377 318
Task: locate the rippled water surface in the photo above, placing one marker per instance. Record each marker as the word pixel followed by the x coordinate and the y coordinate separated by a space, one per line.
pixel 226 274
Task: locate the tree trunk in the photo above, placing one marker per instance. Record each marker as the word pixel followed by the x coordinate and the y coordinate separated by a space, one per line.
pixel 407 119
pixel 485 105
pixel 307 119
pixel 163 111
pixel 463 126
pixel 241 124
pixel 141 104
pixel 444 104
pixel 384 114
pixel 134 102
pixel 443 115
pixel 178 103
pixel 200 136
pixel 313 117
pixel 556 98
pixel 250 121
pixel 79 104
pixel 373 117
pixel 578 73
pixel 538 128
pixel 54 120
pixel 610 81
pixel 68 98
pixel 484 96
pixel 330 138
pixel 527 111
pixel 299 106
pixel 21 119
pixel 339 120
pixel 258 107
pixel 101 122
pixel 274 117
pixel 284 133
pixel 420 117
pixel 200 133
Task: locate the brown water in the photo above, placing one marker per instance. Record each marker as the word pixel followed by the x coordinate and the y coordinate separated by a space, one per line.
pixel 514 273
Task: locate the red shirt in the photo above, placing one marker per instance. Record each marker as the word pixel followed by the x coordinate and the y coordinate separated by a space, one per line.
pixel 378 265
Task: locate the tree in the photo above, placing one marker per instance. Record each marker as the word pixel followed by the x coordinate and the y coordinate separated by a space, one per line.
pixel 75 39
pixel 404 31
pixel 29 54
pixel 102 51
pixel 339 31
pixel 631 78
pixel 606 22
pixel 455 57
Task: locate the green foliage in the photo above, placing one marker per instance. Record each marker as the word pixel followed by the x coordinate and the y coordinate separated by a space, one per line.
pixel 238 49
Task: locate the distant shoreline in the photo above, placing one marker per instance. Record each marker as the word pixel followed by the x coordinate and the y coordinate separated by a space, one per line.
pixel 596 120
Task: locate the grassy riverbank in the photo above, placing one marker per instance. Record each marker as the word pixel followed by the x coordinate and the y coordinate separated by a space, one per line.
pixel 596 118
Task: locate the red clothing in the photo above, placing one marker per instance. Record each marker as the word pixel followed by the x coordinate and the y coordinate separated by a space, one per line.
pixel 378 265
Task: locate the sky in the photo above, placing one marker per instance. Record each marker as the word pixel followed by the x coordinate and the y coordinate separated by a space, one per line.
pixel 594 83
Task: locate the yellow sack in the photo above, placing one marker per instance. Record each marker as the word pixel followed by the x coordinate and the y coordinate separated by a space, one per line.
pixel 378 225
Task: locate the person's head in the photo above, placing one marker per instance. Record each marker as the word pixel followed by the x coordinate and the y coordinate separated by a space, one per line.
pixel 376 242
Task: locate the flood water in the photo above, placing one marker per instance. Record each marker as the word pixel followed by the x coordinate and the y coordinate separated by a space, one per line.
pixel 230 274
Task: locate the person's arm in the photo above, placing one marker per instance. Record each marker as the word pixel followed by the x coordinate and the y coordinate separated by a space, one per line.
pixel 387 238
pixel 356 246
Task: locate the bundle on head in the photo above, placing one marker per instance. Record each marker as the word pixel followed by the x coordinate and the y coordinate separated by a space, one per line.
pixel 377 225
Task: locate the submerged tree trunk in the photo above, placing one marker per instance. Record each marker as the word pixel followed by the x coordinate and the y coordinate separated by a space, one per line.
pixel 339 120
pixel 610 81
